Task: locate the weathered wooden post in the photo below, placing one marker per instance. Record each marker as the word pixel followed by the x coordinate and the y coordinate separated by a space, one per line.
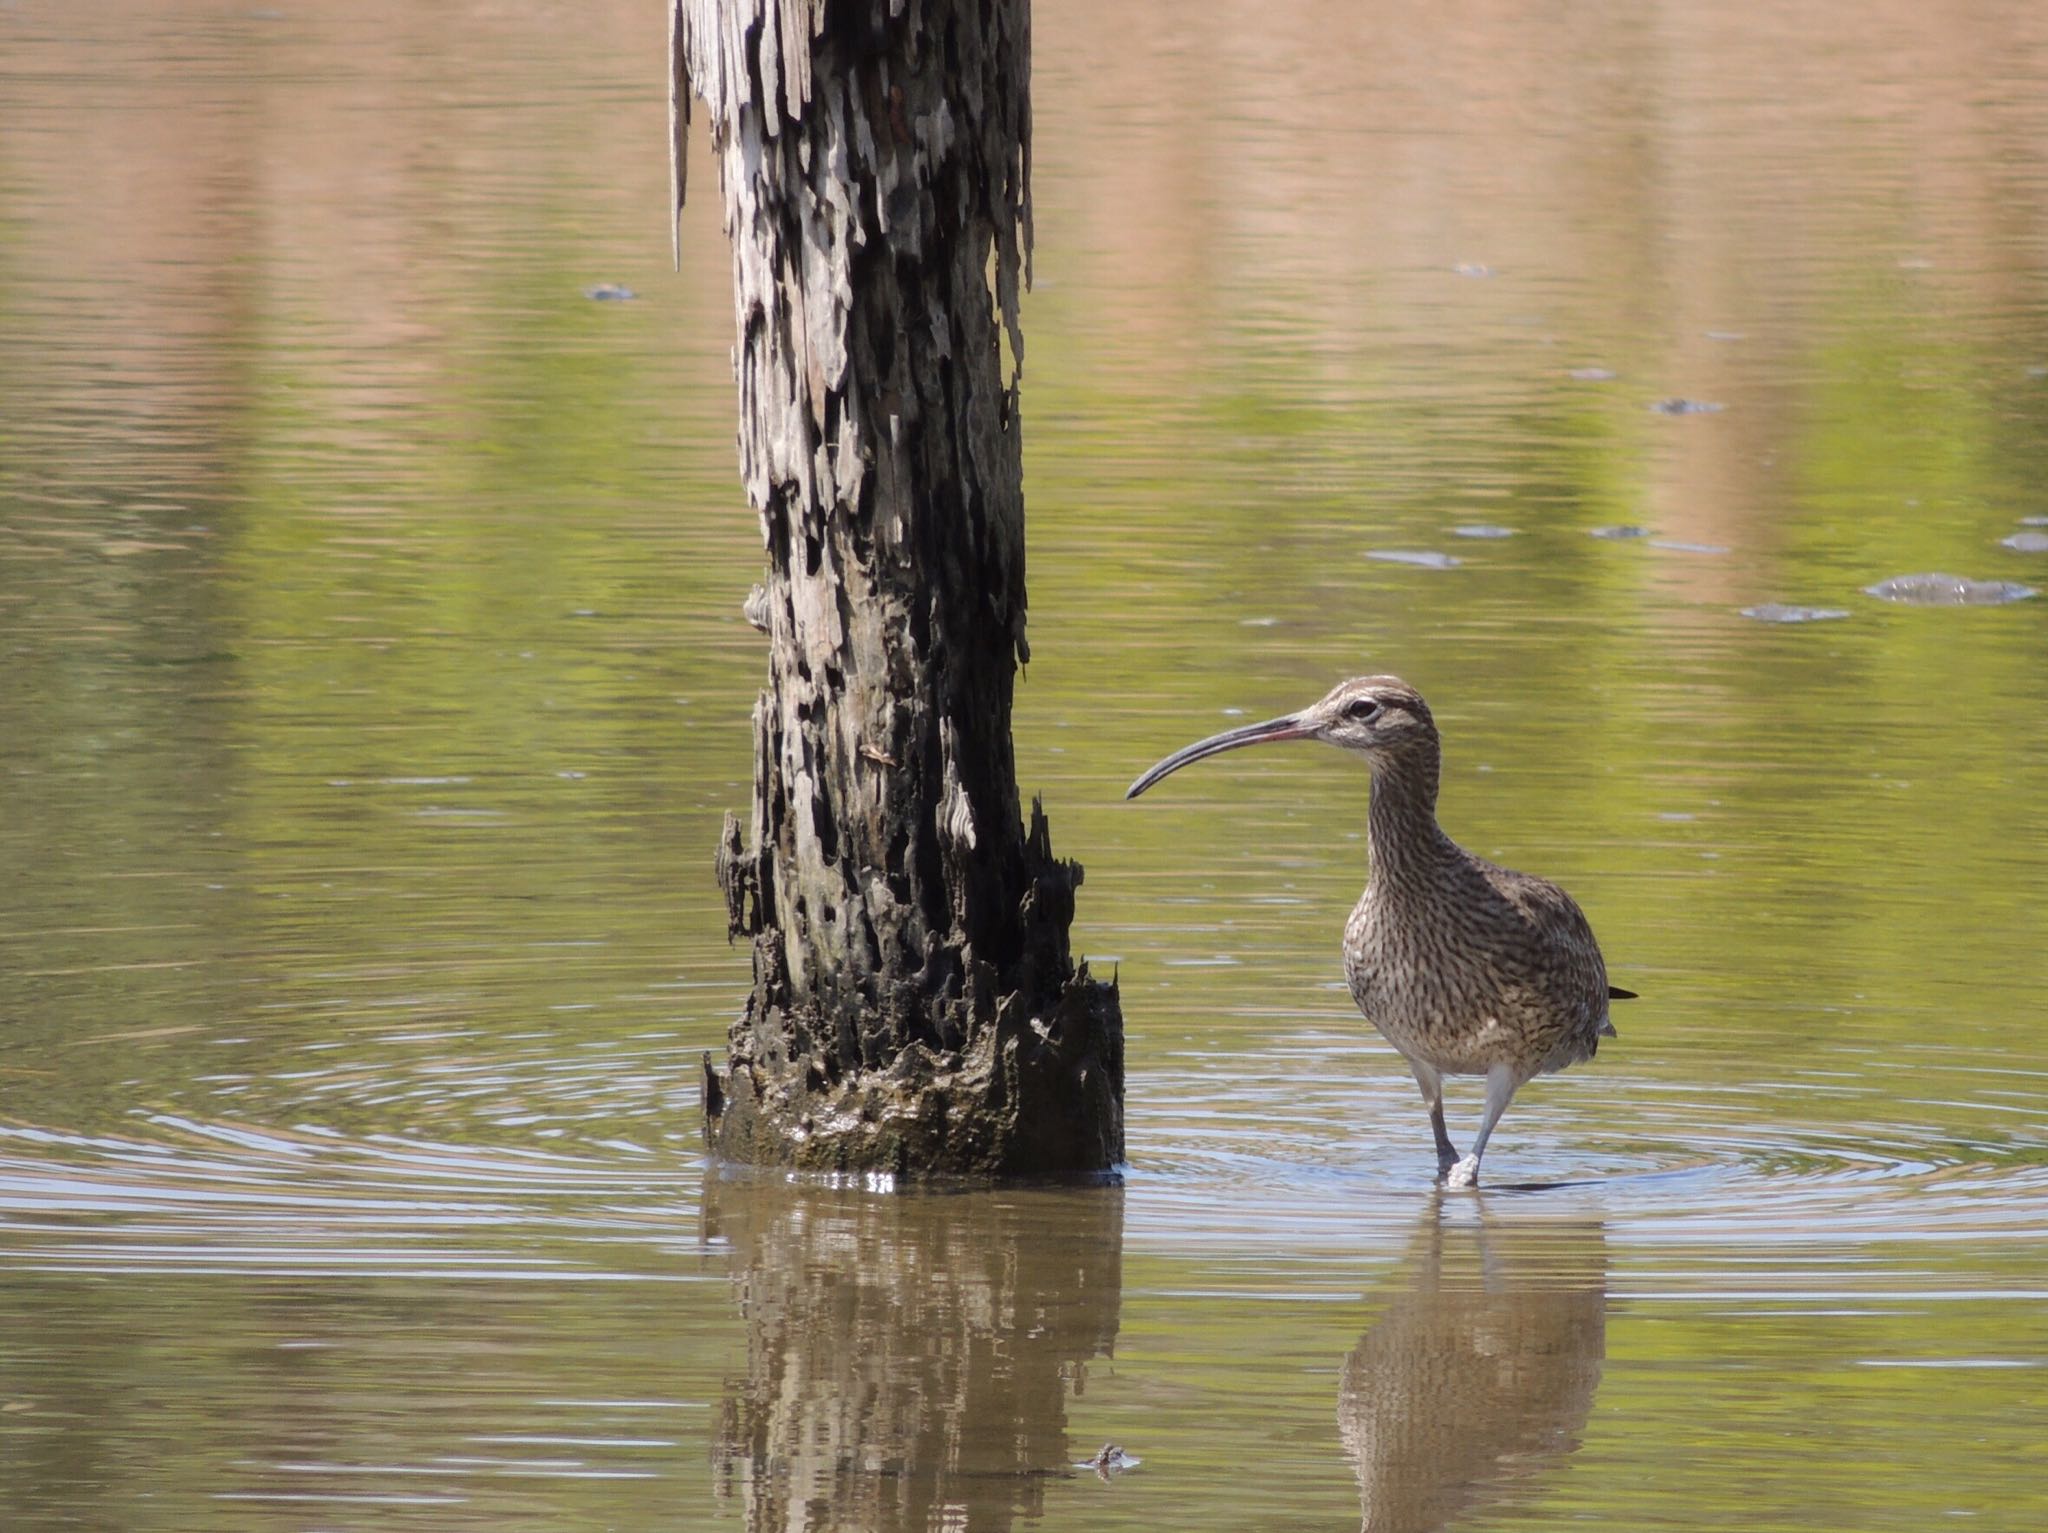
pixel 915 1007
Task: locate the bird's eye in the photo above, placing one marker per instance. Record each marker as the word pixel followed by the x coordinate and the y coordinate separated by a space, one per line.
pixel 1361 709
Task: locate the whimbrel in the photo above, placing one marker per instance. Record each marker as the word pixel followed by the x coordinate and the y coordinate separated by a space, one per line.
pixel 1465 968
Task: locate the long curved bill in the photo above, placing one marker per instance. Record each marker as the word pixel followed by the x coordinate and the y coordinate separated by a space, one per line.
pixel 1288 728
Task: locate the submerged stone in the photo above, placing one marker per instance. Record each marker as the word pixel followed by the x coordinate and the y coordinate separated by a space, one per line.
pixel 610 292
pixel 1943 590
pixel 2027 542
pixel 1678 406
pixel 1111 1459
pixel 1781 612
pixel 1680 546
pixel 1483 530
pixel 1422 558
pixel 1619 534
pixel 1591 375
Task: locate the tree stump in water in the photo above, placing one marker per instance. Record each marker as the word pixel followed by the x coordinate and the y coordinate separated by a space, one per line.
pixel 915 1007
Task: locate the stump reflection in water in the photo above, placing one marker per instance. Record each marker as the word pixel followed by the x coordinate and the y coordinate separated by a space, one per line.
pixel 1480 1371
pixel 909 1355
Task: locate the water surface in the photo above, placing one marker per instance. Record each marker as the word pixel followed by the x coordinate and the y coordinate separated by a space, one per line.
pixel 375 682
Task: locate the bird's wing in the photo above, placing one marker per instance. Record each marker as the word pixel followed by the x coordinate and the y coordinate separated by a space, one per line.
pixel 1563 937
pixel 1547 908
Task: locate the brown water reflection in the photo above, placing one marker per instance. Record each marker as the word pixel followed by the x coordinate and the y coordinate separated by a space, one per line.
pixel 910 1358
pixel 1480 1372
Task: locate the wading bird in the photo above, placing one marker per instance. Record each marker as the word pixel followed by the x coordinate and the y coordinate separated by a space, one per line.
pixel 1465 968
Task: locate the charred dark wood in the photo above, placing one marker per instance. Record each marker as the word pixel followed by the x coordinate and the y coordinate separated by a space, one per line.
pixel 915 1005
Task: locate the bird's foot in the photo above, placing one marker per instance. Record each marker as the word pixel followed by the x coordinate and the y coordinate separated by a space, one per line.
pixel 1464 1174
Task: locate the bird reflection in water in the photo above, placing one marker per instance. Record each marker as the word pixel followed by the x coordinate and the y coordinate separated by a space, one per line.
pixel 1480 1371
pixel 909 1356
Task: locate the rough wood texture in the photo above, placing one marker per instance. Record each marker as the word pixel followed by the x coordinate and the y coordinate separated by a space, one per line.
pixel 915 1006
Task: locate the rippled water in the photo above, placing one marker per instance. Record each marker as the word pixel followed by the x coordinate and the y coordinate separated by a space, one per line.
pixel 375 682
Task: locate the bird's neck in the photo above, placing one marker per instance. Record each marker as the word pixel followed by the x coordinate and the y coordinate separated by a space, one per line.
pixel 1401 829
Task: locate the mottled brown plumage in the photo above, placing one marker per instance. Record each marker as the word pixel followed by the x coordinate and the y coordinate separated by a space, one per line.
pixel 1466 968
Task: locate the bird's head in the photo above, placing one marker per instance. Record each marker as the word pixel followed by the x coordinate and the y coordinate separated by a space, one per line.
pixel 1381 717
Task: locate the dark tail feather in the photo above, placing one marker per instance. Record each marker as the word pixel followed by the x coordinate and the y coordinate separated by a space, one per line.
pixel 1616 993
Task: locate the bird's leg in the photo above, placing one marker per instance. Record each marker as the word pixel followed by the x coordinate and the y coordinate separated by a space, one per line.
pixel 1500 1090
pixel 1432 1084
pixel 1446 1152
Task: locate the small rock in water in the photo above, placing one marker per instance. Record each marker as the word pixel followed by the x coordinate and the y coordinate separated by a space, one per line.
pixel 1940 590
pixel 1619 534
pixel 1483 530
pixel 1110 1460
pixel 1424 558
pixel 2034 521
pixel 610 292
pixel 1473 269
pixel 2027 542
pixel 1680 546
pixel 1780 612
pixel 1591 375
pixel 1678 406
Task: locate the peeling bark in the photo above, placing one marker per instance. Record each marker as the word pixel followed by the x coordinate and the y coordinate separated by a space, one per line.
pixel 915 1006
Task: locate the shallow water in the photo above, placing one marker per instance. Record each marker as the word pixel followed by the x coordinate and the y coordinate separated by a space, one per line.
pixel 375 682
